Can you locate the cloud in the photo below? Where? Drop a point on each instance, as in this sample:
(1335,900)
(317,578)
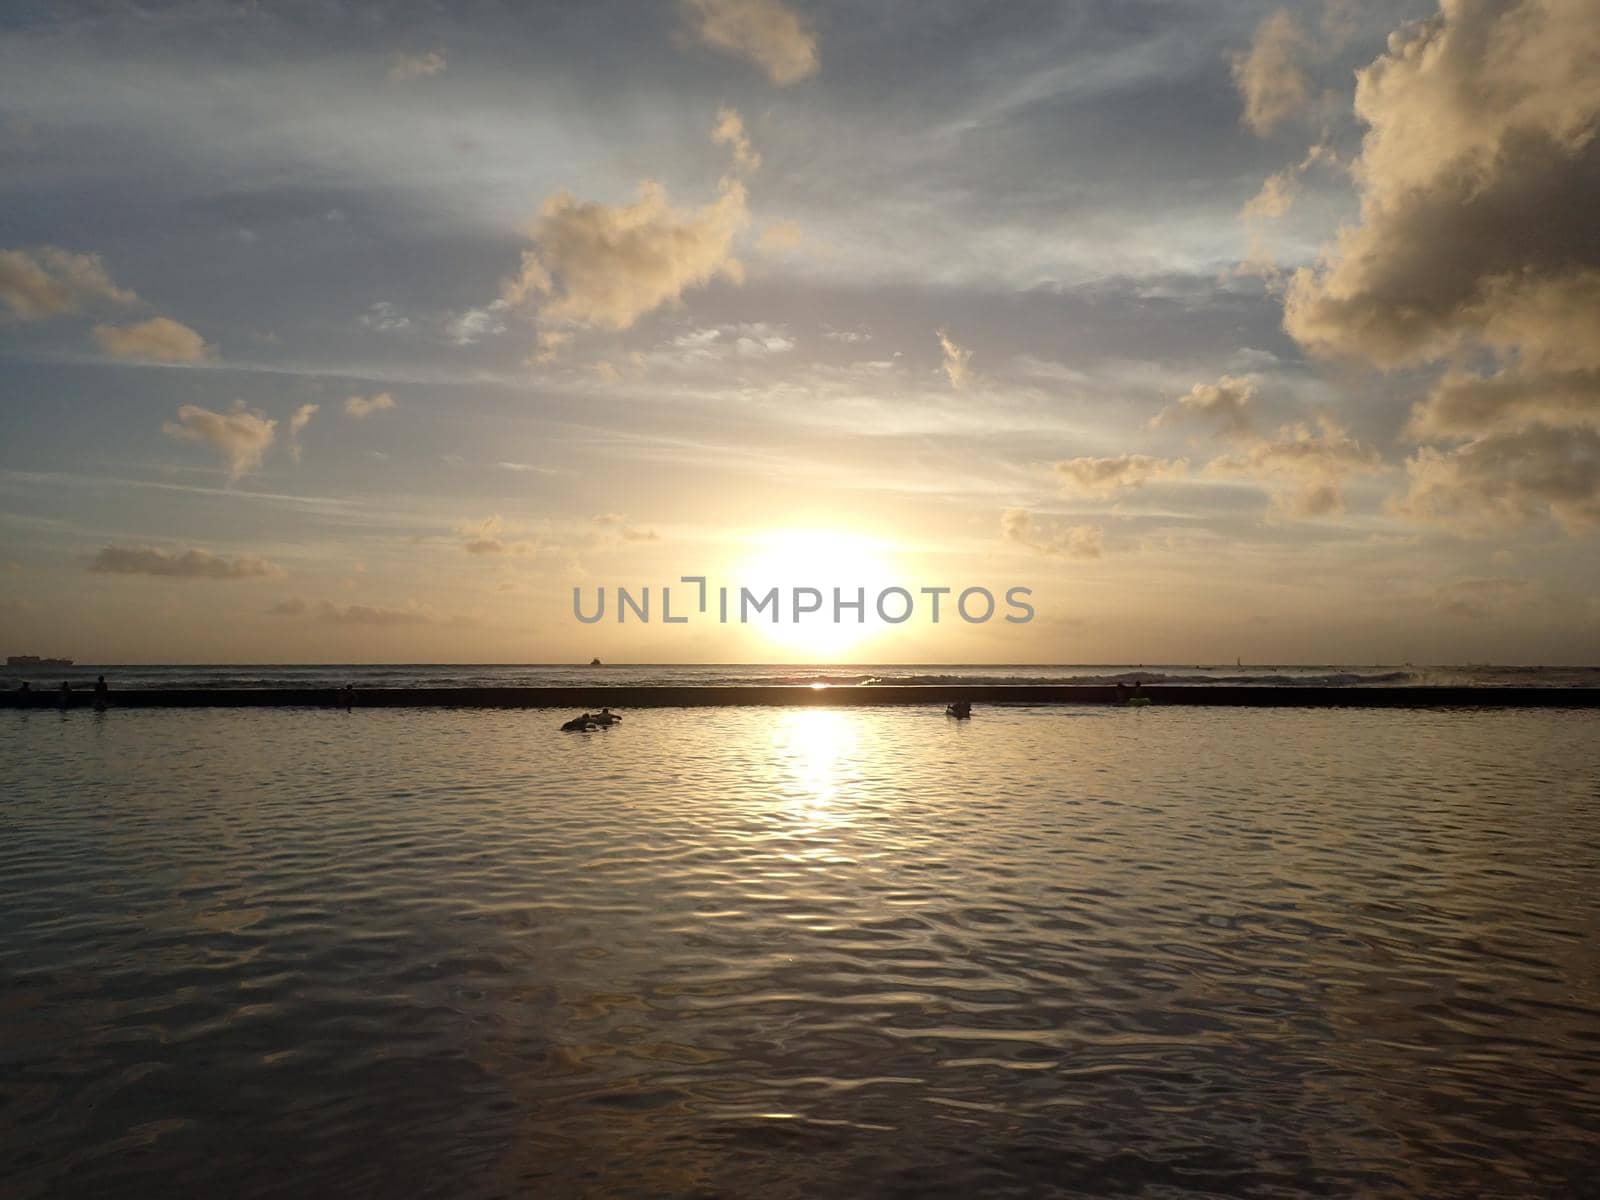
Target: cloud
(350,614)
(364,406)
(1484,598)
(624,531)
(51,282)
(1269,76)
(551,343)
(1065,541)
(1108,475)
(1477,176)
(780,236)
(955,361)
(243,435)
(605,266)
(297,423)
(1502,480)
(385,317)
(406,67)
(1228,402)
(1304,467)
(185,564)
(473,325)
(1275,199)
(487,537)
(160,339)
(763,32)
(729,131)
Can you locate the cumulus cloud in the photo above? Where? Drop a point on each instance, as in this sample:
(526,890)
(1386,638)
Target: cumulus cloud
(1303,467)
(1227,402)
(764,32)
(729,131)
(605,266)
(489,536)
(1502,480)
(184,564)
(955,361)
(1066,541)
(51,282)
(1270,76)
(1106,476)
(243,435)
(365,406)
(406,67)
(160,339)
(1478,175)
(351,614)
(297,423)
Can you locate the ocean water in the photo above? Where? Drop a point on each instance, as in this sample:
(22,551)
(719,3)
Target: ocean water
(839,675)
(754,952)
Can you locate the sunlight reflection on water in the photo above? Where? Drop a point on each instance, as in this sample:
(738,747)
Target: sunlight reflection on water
(1081,951)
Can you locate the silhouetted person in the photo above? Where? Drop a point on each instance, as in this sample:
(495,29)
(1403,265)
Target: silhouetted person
(101,693)
(960,709)
(347,696)
(25,695)
(578,724)
(66,695)
(1138,689)
(1122,692)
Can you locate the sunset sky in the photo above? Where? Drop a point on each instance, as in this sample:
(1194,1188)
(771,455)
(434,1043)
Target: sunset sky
(356,332)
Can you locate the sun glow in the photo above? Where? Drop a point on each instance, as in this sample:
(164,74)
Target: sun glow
(824,560)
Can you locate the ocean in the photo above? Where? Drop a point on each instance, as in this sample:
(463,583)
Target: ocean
(726,674)
(1051,951)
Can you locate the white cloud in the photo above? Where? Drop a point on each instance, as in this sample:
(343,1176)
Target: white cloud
(51,282)
(1477,176)
(1105,476)
(364,406)
(297,423)
(159,339)
(243,435)
(1228,402)
(1054,538)
(1270,76)
(605,266)
(763,32)
(729,131)
(955,361)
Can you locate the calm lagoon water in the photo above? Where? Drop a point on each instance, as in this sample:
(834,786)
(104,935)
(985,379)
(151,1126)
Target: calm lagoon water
(873,952)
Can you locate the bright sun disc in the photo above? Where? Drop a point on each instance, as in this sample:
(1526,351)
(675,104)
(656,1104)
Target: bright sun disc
(823,560)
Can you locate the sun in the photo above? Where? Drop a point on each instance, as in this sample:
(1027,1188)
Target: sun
(822,559)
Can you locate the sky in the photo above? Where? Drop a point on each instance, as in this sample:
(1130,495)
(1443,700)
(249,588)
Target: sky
(371,332)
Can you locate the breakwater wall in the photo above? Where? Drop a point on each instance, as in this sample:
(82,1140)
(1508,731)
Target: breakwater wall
(595,698)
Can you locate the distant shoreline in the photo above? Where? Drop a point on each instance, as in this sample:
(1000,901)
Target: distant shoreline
(699,696)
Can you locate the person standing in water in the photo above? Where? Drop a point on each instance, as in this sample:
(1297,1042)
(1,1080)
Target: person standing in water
(101,694)
(66,695)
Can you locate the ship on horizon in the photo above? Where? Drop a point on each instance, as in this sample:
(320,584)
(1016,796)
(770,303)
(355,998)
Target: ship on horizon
(33,660)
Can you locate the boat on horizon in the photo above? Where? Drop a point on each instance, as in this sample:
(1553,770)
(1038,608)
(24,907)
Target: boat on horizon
(33,660)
